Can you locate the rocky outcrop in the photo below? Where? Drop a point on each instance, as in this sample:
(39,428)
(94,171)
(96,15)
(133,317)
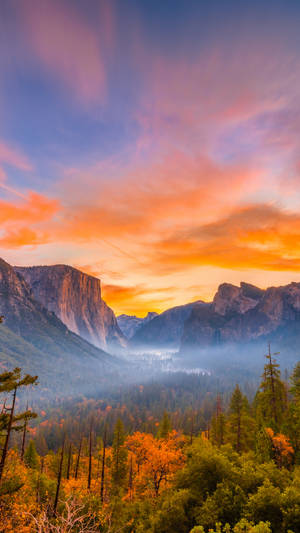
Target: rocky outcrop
(75,297)
(230,298)
(243,314)
(130,324)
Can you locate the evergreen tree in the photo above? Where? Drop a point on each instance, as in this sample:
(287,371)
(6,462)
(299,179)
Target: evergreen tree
(295,382)
(164,427)
(27,415)
(31,458)
(239,421)
(294,412)
(119,455)
(270,399)
(10,382)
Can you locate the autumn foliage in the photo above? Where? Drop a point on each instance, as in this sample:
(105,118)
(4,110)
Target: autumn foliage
(239,471)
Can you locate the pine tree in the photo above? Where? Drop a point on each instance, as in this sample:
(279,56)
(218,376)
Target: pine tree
(294,412)
(31,458)
(239,421)
(10,382)
(28,415)
(164,427)
(270,399)
(295,382)
(119,455)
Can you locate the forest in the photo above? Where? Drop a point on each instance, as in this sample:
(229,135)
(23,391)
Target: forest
(157,458)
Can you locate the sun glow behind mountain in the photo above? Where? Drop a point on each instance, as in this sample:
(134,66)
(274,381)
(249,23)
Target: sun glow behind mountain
(155,145)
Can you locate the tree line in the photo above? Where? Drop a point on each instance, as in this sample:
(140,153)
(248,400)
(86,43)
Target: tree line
(238,470)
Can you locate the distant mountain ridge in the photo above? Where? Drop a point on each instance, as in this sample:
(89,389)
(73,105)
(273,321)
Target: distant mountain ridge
(129,324)
(164,330)
(237,315)
(243,314)
(75,298)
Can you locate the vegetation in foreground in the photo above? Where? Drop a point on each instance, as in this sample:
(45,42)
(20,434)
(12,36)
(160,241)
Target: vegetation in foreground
(241,473)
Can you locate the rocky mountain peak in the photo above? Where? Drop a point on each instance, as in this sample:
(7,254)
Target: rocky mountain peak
(230,298)
(129,324)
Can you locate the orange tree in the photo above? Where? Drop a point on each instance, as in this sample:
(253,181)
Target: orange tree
(155,461)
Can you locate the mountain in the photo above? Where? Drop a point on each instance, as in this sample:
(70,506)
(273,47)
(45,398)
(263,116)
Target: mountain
(76,299)
(246,314)
(164,330)
(129,324)
(37,340)
(240,319)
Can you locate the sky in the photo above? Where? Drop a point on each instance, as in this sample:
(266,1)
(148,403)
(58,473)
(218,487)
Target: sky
(153,144)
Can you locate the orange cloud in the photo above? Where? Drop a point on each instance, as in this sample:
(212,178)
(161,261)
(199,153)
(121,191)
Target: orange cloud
(35,208)
(17,219)
(151,200)
(254,237)
(21,237)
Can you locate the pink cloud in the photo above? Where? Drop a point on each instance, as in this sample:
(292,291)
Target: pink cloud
(69,47)
(13,157)
(195,100)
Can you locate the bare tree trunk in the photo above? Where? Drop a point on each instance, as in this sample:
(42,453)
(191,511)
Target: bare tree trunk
(273,387)
(78,459)
(130,484)
(24,436)
(39,481)
(238,434)
(5,447)
(90,458)
(69,461)
(59,478)
(103,465)
(192,429)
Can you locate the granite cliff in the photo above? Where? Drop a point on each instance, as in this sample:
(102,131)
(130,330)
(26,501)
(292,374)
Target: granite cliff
(75,298)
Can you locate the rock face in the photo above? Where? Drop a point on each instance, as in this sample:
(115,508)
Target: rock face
(164,330)
(129,324)
(37,340)
(75,298)
(245,313)
(230,298)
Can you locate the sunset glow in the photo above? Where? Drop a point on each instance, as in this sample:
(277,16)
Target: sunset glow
(154,145)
